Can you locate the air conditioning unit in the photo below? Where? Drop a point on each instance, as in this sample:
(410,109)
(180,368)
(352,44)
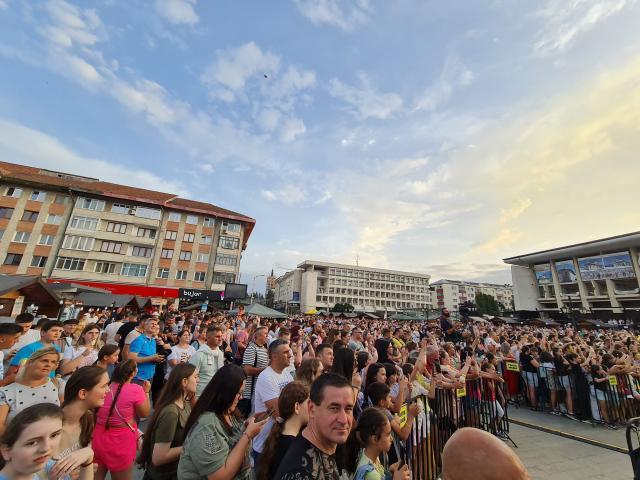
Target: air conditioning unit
(224,230)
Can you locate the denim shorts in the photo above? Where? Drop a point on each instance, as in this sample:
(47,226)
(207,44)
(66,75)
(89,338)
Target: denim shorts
(530,378)
(565,381)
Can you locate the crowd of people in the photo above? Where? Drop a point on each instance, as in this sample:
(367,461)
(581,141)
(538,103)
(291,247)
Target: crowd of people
(212,396)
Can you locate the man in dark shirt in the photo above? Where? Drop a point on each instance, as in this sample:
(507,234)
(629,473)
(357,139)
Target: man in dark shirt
(311,455)
(382,346)
(451,334)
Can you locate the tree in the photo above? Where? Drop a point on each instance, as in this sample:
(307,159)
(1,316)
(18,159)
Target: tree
(487,305)
(269,298)
(342,308)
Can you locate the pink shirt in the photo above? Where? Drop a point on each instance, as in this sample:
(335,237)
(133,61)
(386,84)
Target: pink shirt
(130,396)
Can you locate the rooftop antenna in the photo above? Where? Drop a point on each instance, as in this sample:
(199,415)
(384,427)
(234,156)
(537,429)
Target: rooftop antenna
(357,259)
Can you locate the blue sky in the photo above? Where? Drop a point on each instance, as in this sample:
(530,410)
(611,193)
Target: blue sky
(437,137)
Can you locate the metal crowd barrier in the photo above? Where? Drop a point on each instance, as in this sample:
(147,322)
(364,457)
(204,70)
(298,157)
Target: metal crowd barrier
(476,405)
(611,402)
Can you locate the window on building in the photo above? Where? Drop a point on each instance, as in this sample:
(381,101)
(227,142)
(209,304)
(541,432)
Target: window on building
(29,216)
(111,247)
(208,222)
(38,196)
(181,275)
(120,208)
(185,255)
(14,192)
(6,212)
(70,263)
(199,276)
(188,237)
(192,219)
(146,232)
(84,223)
(229,243)
(206,239)
(230,260)
(223,277)
(203,258)
(170,235)
(54,219)
(163,273)
(134,270)
(13,259)
(45,240)
(21,237)
(150,213)
(231,227)
(38,261)
(90,204)
(116,227)
(175,216)
(141,251)
(60,199)
(105,267)
(166,253)
(76,242)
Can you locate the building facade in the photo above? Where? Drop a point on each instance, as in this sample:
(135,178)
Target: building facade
(75,228)
(591,277)
(319,286)
(451,294)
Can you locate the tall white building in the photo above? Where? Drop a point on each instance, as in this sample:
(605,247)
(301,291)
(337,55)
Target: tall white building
(452,293)
(320,285)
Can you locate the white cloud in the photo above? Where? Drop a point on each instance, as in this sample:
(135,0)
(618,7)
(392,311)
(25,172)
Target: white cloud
(344,14)
(366,100)
(287,195)
(228,75)
(509,214)
(292,128)
(72,26)
(21,144)
(178,11)
(565,21)
(3,4)
(454,75)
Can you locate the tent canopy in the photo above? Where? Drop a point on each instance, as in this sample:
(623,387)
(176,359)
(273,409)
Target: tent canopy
(261,311)
(105,299)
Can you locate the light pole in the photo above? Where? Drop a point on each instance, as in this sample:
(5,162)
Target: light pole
(253,285)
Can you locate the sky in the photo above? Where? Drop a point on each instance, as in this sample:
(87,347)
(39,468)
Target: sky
(425,136)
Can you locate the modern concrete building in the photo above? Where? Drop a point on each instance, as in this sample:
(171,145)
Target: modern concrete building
(452,293)
(599,276)
(320,285)
(126,239)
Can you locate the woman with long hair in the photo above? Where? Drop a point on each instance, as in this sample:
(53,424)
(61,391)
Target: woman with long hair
(29,441)
(85,391)
(217,440)
(343,362)
(181,352)
(108,357)
(294,415)
(309,370)
(33,385)
(116,432)
(84,353)
(162,442)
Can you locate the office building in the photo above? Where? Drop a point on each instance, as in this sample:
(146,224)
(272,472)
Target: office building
(130,240)
(315,285)
(451,294)
(599,277)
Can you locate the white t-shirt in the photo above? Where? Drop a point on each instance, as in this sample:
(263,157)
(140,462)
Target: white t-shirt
(182,355)
(24,340)
(71,353)
(131,336)
(268,386)
(111,331)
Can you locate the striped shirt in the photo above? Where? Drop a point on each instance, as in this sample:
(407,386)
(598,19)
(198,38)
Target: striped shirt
(254,356)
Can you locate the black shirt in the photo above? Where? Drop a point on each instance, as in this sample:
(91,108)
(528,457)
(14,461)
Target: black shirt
(284,443)
(382,346)
(525,360)
(125,330)
(304,461)
(445,324)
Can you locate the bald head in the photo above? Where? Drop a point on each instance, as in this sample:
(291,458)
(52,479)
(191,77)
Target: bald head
(473,453)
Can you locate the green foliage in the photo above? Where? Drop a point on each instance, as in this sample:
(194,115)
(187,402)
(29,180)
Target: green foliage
(342,308)
(487,305)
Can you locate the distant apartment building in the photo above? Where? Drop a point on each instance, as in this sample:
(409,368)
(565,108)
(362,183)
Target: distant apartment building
(451,294)
(76,228)
(598,277)
(320,285)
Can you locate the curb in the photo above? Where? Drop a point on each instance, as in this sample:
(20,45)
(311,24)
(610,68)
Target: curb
(571,436)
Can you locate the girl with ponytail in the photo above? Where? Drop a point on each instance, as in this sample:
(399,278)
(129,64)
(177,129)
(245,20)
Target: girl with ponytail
(294,415)
(116,434)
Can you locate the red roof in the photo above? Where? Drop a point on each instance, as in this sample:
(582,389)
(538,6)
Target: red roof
(78,183)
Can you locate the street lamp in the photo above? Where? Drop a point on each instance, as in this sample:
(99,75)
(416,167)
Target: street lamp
(61,303)
(253,285)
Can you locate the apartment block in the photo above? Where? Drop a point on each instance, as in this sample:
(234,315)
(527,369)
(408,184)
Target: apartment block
(320,285)
(451,294)
(71,227)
